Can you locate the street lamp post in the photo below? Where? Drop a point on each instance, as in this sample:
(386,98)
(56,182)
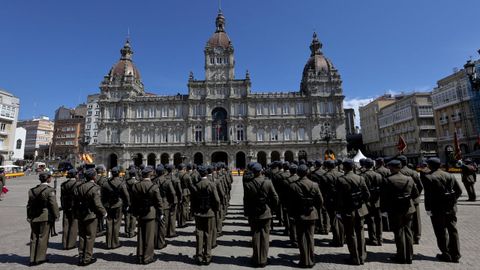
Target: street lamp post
(472,74)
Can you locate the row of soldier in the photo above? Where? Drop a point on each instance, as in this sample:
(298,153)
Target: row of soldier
(338,197)
(153,201)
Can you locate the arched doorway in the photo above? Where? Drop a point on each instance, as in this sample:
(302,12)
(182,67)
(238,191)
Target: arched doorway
(262,158)
(302,155)
(289,156)
(198,158)
(151,159)
(240,160)
(220,157)
(219,125)
(164,158)
(275,156)
(112,161)
(329,155)
(138,159)
(177,159)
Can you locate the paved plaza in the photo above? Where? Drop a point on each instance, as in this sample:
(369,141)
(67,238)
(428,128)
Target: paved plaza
(233,251)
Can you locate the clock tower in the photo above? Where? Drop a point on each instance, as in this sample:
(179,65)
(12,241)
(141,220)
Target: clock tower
(219,60)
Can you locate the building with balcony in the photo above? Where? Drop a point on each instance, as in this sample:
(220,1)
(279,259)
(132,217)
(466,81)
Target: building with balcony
(9,106)
(19,147)
(369,124)
(38,138)
(452,106)
(221,118)
(68,135)
(410,116)
(91,121)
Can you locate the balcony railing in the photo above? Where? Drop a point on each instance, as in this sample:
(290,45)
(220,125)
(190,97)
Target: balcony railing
(443,121)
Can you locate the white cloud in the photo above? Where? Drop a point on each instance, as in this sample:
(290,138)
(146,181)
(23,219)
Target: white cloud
(355,103)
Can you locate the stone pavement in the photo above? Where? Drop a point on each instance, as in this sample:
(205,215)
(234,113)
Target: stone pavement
(233,251)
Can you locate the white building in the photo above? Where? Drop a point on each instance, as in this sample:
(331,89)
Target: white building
(91,120)
(9,106)
(20,138)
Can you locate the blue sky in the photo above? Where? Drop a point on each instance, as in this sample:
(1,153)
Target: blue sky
(54,53)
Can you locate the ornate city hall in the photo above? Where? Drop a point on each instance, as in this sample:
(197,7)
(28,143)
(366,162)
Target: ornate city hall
(221,118)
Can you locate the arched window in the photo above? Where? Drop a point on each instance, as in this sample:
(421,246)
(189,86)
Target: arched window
(19,144)
(198,133)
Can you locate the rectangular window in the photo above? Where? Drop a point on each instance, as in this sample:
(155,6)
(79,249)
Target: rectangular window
(286,109)
(178,136)
(2,127)
(301,134)
(260,135)
(287,134)
(300,109)
(273,108)
(139,112)
(164,111)
(151,112)
(259,109)
(274,134)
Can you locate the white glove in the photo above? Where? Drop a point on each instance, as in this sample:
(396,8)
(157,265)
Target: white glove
(339,216)
(162,217)
(384,214)
(429,213)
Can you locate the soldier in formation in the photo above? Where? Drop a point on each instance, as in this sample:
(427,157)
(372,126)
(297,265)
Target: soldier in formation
(70,223)
(469,177)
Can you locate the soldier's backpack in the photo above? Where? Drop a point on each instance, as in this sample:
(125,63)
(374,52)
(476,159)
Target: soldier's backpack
(260,201)
(449,196)
(141,203)
(81,205)
(35,208)
(402,201)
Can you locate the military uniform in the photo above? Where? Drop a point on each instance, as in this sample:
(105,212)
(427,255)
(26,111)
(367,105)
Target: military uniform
(114,197)
(292,229)
(130,220)
(259,198)
(87,207)
(328,188)
(174,207)
(469,177)
(417,221)
(323,222)
(146,206)
(374,183)
(399,194)
(441,194)
(186,184)
(101,228)
(307,203)
(41,209)
(169,198)
(282,193)
(70,223)
(217,180)
(205,201)
(352,194)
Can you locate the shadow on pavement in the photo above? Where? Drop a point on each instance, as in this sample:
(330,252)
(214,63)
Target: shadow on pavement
(115,257)
(13,258)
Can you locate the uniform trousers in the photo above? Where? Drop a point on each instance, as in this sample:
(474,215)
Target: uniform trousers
(145,240)
(130,224)
(260,240)
(114,221)
(306,241)
(203,233)
(355,238)
(402,230)
(470,188)
(417,225)
(337,228)
(87,231)
(172,221)
(374,224)
(70,230)
(444,227)
(39,241)
(161,230)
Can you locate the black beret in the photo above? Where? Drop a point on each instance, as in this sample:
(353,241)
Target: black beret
(368,162)
(256,168)
(339,161)
(302,169)
(348,162)
(434,161)
(160,168)
(286,165)
(44,176)
(90,173)
(329,163)
(181,166)
(115,170)
(293,167)
(202,170)
(71,173)
(302,161)
(362,161)
(132,171)
(380,159)
(101,168)
(318,162)
(169,167)
(394,163)
(147,170)
(209,168)
(189,166)
(142,166)
(402,159)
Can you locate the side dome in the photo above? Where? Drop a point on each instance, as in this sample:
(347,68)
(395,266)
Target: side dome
(125,66)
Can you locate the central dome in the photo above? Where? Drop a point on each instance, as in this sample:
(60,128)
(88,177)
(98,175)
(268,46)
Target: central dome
(125,67)
(317,61)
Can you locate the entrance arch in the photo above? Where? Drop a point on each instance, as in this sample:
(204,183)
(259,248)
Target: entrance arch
(219,125)
(138,159)
(302,155)
(289,156)
(198,158)
(240,160)
(151,159)
(164,158)
(262,158)
(112,161)
(177,159)
(275,156)
(220,156)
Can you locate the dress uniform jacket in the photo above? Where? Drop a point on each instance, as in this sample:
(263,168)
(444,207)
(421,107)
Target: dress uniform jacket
(130,220)
(417,222)
(205,202)
(469,177)
(308,202)
(42,210)
(258,188)
(114,196)
(353,219)
(88,194)
(399,194)
(70,223)
(169,198)
(172,221)
(186,183)
(383,171)
(147,206)
(374,183)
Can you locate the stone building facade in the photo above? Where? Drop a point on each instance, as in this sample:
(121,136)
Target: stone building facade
(411,117)
(68,135)
(39,137)
(453,113)
(221,118)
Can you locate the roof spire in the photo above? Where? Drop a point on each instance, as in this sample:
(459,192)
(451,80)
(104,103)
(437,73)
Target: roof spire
(219,5)
(220,22)
(316,45)
(127,51)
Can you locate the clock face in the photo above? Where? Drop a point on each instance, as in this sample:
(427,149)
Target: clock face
(218,75)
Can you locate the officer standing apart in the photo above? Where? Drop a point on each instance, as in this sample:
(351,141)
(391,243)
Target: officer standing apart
(399,193)
(87,207)
(70,223)
(352,195)
(469,177)
(42,210)
(308,201)
(259,198)
(146,206)
(441,194)
(114,196)
(205,202)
